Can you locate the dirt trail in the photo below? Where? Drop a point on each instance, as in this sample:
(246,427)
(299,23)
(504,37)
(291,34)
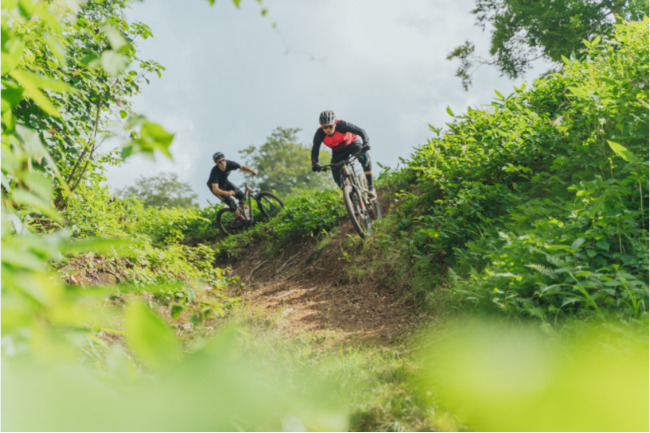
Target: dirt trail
(306,288)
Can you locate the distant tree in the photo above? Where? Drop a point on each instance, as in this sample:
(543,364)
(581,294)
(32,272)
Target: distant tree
(526,30)
(284,164)
(164,190)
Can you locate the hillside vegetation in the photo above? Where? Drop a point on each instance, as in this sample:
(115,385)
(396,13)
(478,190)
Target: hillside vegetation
(121,316)
(538,204)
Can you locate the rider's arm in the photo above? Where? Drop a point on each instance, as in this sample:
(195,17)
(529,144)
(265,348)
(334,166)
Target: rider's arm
(343,125)
(248,169)
(218,191)
(315,149)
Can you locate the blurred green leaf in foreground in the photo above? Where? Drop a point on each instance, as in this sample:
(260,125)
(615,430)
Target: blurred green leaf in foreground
(220,387)
(502,378)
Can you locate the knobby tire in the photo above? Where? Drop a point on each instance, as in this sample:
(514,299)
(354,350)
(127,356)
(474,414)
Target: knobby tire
(269,204)
(358,215)
(227,222)
(373,205)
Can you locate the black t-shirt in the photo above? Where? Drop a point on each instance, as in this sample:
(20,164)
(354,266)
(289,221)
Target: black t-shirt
(221,177)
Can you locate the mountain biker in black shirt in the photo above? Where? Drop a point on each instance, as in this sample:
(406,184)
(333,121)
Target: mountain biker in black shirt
(220,185)
(344,139)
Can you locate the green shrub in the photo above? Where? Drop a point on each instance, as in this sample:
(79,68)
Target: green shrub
(545,193)
(306,215)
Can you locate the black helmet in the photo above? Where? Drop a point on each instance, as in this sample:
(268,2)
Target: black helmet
(327,117)
(217,156)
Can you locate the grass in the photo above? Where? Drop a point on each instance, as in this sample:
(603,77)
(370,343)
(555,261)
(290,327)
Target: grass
(375,383)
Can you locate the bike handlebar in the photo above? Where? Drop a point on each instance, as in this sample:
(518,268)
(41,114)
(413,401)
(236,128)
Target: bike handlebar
(245,187)
(340,164)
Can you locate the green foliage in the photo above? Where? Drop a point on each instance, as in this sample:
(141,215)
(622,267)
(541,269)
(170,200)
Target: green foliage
(164,190)
(309,214)
(522,32)
(41,78)
(94,212)
(149,337)
(158,255)
(148,139)
(560,171)
(175,225)
(545,193)
(284,164)
(75,355)
(500,377)
(222,385)
(202,225)
(78,68)
(376,384)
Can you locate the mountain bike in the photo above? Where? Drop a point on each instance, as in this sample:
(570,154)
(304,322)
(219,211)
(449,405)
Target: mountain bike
(268,205)
(361,208)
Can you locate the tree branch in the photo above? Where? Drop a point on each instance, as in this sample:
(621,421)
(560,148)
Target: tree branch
(91,146)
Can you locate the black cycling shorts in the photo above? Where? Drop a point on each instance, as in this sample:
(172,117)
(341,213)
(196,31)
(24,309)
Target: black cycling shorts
(230,200)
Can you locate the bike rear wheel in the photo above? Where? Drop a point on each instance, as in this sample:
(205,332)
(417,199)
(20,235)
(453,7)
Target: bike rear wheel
(228,224)
(269,204)
(356,210)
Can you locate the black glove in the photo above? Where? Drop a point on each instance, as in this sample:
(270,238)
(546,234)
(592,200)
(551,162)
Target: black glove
(365,147)
(315,167)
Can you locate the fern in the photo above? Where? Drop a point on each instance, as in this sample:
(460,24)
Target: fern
(543,270)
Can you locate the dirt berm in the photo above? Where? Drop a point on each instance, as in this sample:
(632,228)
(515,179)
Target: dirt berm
(307,288)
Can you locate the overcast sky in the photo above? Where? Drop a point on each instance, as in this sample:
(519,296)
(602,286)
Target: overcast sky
(232,76)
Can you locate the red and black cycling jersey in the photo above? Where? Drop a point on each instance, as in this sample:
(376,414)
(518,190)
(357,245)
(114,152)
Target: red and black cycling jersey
(345,134)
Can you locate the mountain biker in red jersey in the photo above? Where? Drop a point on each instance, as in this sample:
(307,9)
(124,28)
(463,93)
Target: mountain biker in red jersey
(220,185)
(344,139)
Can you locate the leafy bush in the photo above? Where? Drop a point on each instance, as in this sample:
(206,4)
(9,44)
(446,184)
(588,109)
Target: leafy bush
(94,212)
(544,193)
(173,225)
(196,226)
(306,215)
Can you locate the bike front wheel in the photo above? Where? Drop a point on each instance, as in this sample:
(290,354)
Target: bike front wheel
(270,204)
(373,205)
(357,211)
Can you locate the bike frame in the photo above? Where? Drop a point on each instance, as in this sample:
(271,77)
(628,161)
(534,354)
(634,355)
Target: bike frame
(248,194)
(266,205)
(350,185)
(350,177)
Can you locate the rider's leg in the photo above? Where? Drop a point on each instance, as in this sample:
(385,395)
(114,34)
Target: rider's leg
(338,176)
(233,207)
(239,195)
(341,156)
(337,172)
(241,198)
(364,159)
